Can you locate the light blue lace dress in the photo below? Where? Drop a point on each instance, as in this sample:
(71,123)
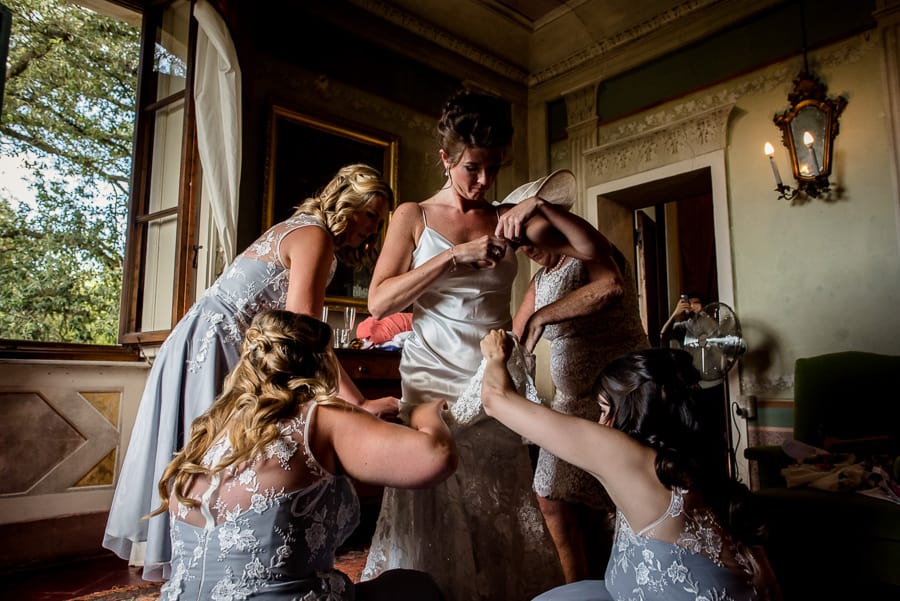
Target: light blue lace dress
(185,379)
(265,530)
(703,564)
(480,533)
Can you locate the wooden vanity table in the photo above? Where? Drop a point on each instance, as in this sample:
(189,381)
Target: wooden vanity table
(376,373)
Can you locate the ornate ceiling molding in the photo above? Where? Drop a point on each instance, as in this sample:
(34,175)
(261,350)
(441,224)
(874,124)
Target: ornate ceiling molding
(440,37)
(626,37)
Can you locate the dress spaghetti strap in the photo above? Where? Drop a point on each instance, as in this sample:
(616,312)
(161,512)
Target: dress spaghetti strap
(676,504)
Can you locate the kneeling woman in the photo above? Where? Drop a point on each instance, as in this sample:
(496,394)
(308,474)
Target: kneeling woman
(682,528)
(261,496)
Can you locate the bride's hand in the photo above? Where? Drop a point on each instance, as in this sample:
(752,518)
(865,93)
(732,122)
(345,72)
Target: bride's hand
(482,253)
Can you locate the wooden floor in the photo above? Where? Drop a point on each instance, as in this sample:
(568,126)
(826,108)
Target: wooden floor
(74,579)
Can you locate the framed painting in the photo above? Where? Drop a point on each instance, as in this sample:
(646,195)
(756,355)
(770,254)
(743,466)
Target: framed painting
(303,153)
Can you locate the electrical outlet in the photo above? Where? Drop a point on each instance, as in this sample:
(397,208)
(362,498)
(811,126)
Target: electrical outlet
(747,408)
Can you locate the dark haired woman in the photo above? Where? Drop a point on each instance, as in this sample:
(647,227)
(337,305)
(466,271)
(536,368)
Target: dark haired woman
(683,531)
(480,533)
(288,267)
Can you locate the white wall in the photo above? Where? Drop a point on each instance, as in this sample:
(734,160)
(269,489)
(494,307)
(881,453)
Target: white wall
(819,276)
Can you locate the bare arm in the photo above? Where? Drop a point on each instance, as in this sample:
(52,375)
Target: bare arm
(523,313)
(545,225)
(386,454)
(572,439)
(308,253)
(681,312)
(624,466)
(603,287)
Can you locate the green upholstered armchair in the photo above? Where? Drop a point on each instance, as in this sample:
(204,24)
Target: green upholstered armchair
(825,544)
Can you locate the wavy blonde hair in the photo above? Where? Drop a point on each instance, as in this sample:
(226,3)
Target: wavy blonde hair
(286,361)
(349,190)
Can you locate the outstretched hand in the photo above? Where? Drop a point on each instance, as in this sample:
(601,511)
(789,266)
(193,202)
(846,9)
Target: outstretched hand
(496,345)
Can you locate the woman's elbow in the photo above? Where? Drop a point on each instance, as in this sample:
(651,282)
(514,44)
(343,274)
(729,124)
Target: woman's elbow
(378,307)
(443,463)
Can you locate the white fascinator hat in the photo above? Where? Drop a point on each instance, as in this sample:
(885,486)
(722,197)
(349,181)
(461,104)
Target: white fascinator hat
(557,188)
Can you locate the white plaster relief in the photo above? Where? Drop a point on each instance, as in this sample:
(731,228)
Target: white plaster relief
(581,106)
(659,146)
(776,387)
(698,124)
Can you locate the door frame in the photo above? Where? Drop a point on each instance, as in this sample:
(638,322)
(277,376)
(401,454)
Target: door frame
(715,161)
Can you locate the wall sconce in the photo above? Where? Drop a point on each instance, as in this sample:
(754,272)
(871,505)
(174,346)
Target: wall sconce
(808,130)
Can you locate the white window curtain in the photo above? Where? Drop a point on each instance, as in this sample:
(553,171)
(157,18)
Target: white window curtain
(217,98)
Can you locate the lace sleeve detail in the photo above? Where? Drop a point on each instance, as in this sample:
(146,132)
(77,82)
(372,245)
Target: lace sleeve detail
(268,246)
(467,409)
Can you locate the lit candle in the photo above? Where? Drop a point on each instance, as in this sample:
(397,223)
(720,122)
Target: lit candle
(809,141)
(769,153)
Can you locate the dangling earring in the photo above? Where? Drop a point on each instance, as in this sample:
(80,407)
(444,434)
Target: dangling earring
(446,172)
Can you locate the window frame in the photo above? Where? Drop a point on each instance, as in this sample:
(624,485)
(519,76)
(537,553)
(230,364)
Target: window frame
(186,212)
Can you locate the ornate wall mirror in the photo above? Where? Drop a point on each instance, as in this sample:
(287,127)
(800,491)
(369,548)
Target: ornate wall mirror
(808,130)
(302,154)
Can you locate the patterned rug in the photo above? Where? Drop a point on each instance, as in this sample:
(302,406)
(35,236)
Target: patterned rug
(139,592)
(350,562)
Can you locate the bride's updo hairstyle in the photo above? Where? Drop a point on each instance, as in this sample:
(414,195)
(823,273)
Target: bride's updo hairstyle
(473,120)
(286,361)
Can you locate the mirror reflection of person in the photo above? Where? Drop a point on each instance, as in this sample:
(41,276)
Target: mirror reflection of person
(589,312)
(675,327)
(684,529)
(263,492)
(480,533)
(288,267)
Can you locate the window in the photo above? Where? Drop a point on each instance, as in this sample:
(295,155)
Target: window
(98,248)
(161,258)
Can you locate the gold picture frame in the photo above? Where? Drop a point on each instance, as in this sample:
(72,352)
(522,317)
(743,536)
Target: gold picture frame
(303,153)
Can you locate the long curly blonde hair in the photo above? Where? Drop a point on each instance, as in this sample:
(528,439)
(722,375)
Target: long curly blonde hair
(349,190)
(286,361)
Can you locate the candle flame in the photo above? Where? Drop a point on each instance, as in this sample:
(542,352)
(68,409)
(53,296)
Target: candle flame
(808,138)
(769,150)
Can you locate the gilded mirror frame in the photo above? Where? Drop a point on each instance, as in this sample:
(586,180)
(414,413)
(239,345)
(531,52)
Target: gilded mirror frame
(303,152)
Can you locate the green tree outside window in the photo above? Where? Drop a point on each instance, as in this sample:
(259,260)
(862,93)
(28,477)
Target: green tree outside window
(67,127)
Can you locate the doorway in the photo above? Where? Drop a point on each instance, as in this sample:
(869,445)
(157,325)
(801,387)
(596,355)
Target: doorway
(686,191)
(671,240)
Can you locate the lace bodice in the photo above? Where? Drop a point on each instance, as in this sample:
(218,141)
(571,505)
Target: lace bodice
(268,246)
(269,527)
(255,281)
(703,563)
